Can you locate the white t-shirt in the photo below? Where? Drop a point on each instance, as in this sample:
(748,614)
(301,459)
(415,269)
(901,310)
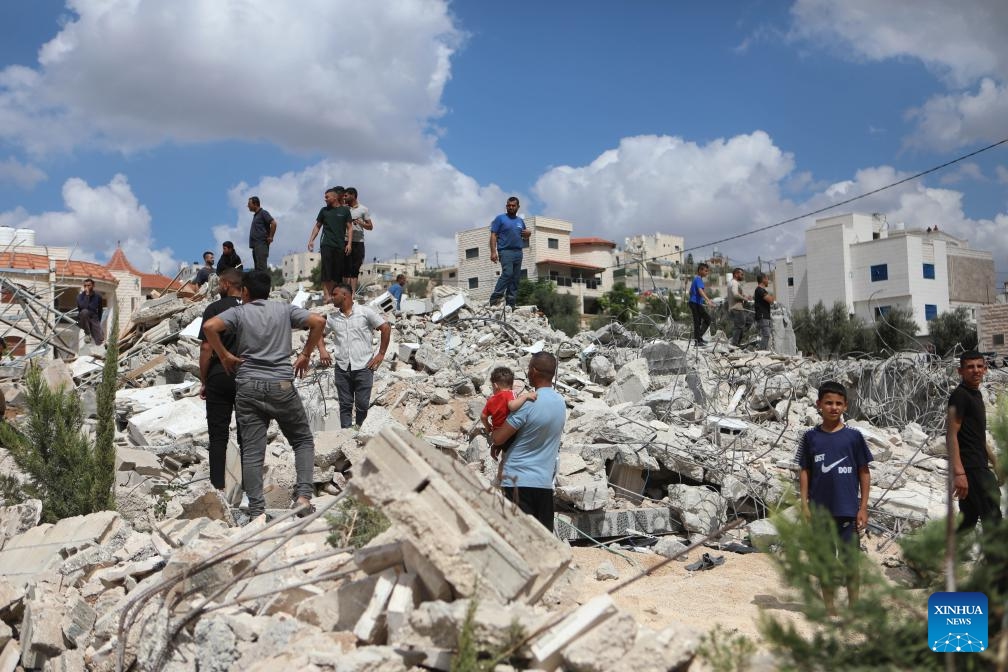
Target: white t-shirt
(359,215)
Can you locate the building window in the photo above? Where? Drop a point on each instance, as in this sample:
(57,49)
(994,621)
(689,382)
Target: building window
(882,311)
(790,282)
(472,253)
(473,283)
(879,272)
(553,243)
(929,272)
(997,339)
(451,274)
(930,311)
(523,274)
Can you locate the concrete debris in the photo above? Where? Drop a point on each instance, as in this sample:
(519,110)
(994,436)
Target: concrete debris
(662,440)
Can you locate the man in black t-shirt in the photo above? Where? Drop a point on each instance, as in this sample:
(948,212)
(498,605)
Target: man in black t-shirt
(973,483)
(229,258)
(218,386)
(762,300)
(260,233)
(335,223)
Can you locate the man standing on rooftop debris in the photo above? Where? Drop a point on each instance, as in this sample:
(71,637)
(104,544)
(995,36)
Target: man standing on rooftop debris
(89,312)
(229,258)
(260,234)
(530,464)
(334,220)
(356,361)
(762,300)
(217,386)
(360,219)
(973,483)
(698,301)
(264,383)
(736,306)
(507,238)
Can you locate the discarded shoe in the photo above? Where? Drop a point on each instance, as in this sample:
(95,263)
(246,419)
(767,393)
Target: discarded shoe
(706,562)
(302,509)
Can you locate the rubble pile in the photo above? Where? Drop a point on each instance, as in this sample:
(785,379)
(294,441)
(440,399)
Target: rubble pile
(664,445)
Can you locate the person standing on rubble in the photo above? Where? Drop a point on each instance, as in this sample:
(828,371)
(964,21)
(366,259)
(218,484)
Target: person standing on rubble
(736,306)
(217,386)
(264,383)
(335,222)
(762,300)
(973,483)
(89,312)
(508,234)
(356,361)
(698,302)
(229,258)
(396,290)
(360,219)
(260,234)
(530,464)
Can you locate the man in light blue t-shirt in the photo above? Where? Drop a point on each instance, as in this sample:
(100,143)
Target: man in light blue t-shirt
(530,463)
(507,238)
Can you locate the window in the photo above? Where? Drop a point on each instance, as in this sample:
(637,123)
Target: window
(472,253)
(997,339)
(929,272)
(451,274)
(790,282)
(930,311)
(879,272)
(473,283)
(882,311)
(553,243)
(523,274)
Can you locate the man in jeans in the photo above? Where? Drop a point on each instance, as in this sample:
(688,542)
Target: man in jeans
(217,385)
(762,300)
(264,384)
(355,359)
(736,306)
(507,237)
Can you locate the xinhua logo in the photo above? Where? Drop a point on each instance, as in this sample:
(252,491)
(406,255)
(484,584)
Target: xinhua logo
(957,622)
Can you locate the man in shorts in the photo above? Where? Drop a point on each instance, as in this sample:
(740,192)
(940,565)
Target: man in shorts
(361,220)
(334,221)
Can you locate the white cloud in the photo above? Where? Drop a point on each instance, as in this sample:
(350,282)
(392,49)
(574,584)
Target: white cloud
(966,171)
(24,175)
(962,43)
(420,204)
(93,221)
(330,76)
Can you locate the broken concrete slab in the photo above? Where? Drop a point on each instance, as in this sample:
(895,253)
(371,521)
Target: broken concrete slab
(19,518)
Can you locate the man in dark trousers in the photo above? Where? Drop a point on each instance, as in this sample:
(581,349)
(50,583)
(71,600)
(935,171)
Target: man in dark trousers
(335,221)
(217,385)
(508,234)
(260,234)
(89,312)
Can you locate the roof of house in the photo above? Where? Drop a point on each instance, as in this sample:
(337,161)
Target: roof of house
(119,262)
(78,270)
(571,264)
(592,240)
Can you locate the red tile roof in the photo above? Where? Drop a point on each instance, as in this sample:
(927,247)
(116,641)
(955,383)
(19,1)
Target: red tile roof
(592,240)
(78,270)
(119,262)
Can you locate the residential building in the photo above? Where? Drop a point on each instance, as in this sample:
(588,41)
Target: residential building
(874,267)
(299,265)
(578,266)
(992,329)
(135,286)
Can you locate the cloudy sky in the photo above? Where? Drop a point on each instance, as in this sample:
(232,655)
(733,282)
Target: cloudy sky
(148,124)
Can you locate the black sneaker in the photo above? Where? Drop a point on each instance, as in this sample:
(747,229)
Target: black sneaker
(302,509)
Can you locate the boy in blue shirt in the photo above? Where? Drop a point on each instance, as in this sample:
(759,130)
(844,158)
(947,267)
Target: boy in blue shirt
(396,290)
(698,301)
(835,476)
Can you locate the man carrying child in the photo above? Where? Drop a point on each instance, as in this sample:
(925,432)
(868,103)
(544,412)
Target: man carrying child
(500,404)
(835,478)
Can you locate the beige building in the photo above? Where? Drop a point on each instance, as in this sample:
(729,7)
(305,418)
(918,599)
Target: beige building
(578,266)
(992,329)
(299,266)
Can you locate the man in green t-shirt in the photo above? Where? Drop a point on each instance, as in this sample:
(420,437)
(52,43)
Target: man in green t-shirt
(334,220)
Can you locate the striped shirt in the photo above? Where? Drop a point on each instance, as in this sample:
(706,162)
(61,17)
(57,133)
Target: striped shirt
(352,336)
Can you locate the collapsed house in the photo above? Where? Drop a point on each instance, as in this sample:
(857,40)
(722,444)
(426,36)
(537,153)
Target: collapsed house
(662,442)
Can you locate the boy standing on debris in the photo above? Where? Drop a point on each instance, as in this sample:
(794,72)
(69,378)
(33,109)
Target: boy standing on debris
(217,387)
(835,476)
(530,464)
(698,301)
(264,384)
(502,403)
(763,300)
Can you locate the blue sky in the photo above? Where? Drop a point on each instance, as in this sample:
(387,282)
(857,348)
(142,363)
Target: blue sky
(149,123)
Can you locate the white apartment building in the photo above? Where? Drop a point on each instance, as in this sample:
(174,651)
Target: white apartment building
(299,265)
(578,266)
(874,267)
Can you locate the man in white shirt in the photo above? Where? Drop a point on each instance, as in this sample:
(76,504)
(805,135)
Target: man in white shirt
(355,360)
(736,306)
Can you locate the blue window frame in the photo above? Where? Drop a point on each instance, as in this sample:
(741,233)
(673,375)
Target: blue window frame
(929,272)
(930,311)
(879,272)
(882,311)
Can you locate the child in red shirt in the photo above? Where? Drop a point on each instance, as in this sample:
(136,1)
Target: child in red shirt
(500,404)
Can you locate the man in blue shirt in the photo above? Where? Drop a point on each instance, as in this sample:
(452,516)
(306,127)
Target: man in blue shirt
(397,288)
(530,462)
(698,302)
(507,238)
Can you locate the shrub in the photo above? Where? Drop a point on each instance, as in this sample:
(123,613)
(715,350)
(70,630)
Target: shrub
(952,332)
(354,524)
(561,310)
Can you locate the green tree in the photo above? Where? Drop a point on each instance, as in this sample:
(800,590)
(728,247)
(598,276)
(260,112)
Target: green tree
(71,474)
(315,277)
(830,332)
(620,303)
(561,310)
(895,331)
(276,276)
(417,287)
(951,331)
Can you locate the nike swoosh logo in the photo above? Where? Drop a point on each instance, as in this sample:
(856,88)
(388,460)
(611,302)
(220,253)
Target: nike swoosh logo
(829,467)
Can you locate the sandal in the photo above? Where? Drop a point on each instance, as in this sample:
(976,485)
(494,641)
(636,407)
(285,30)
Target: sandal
(302,509)
(706,562)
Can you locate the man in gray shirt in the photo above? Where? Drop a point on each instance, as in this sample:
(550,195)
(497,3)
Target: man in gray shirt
(264,382)
(356,360)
